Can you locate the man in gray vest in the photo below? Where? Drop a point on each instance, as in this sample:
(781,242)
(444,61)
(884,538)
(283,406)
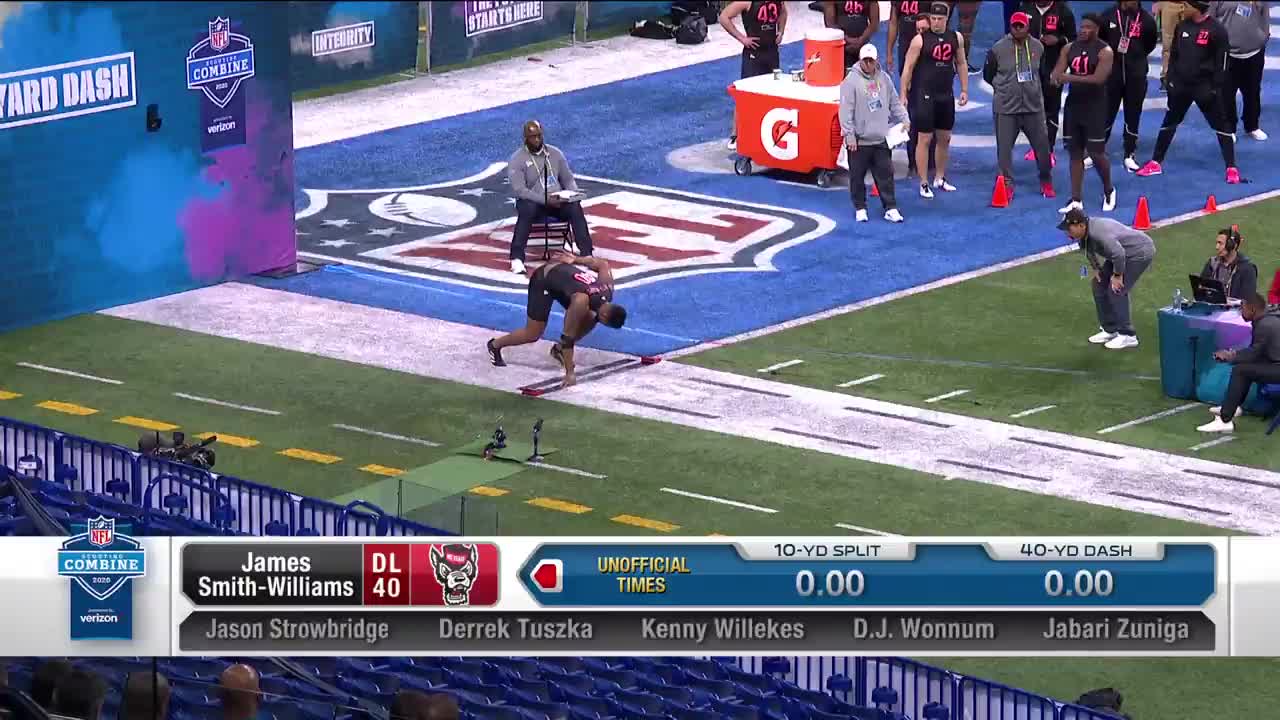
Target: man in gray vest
(1013,70)
(1118,255)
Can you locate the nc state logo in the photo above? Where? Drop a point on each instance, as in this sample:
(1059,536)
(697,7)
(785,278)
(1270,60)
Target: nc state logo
(456,568)
(460,231)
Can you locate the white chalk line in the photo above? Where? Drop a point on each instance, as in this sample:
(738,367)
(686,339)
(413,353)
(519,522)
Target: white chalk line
(568,470)
(222,403)
(70,373)
(387,435)
(779,366)
(867,530)
(722,501)
(947,396)
(1212,443)
(1149,418)
(861,381)
(1032,411)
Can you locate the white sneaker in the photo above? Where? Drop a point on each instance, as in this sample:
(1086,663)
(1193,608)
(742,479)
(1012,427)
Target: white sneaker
(1217,410)
(1258,134)
(1101,338)
(1122,342)
(894,216)
(1088,163)
(860,216)
(943,185)
(1131,164)
(925,192)
(1109,201)
(1073,205)
(733,142)
(517,266)
(1217,426)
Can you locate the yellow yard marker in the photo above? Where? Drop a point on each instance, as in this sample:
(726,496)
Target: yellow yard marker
(232,440)
(145,424)
(645,523)
(310,456)
(561,505)
(489,491)
(382,470)
(67,408)
(6,395)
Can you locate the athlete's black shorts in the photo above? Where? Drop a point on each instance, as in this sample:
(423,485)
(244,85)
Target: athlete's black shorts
(760,61)
(1084,126)
(933,112)
(540,300)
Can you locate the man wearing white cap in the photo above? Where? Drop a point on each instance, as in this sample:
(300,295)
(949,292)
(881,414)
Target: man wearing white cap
(868,104)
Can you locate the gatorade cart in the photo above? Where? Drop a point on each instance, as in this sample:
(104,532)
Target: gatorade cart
(791,121)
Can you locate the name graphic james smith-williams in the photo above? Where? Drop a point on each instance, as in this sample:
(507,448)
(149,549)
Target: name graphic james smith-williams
(102,561)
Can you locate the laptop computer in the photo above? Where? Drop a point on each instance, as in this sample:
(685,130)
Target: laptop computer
(1207,290)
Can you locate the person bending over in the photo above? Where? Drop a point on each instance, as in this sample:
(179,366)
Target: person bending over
(1258,363)
(584,288)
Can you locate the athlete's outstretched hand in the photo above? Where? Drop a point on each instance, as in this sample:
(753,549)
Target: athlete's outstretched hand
(564,258)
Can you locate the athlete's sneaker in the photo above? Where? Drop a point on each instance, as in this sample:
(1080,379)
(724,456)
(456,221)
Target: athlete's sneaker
(1102,337)
(925,191)
(1046,189)
(517,266)
(1217,410)
(1131,163)
(1233,176)
(495,354)
(893,216)
(942,184)
(1122,342)
(860,216)
(1257,134)
(1088,163)
(1073,205)
(1109,200)
(1151,169)
(733,142)
(1216,425)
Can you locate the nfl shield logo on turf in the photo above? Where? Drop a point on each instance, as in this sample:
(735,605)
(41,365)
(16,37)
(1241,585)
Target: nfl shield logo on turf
(460,231)
(102,531)
(219,34)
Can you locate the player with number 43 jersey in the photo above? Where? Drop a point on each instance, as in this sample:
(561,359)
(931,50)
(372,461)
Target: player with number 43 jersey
(933,62)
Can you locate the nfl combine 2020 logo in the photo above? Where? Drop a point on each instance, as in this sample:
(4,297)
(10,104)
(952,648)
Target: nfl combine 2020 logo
(219,63)
(102,561)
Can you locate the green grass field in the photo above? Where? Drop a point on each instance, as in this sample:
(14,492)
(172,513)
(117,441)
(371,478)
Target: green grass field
(997,336)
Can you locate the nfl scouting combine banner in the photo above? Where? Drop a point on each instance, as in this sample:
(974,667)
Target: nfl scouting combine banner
(339,42)
(461,31)
(147,149)
(612,14)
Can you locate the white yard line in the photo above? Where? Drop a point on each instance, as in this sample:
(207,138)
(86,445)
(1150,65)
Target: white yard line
(722,501)
(221,403)
(947,396)
(868,531)
(861,381)
(1212,443)
(567,470)
(387,435)
(1148,418)
(779,366)
(70,373)
(1032,411)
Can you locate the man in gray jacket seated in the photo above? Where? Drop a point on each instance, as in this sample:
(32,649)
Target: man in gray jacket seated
(1118,255)
(537,172)
(868,101)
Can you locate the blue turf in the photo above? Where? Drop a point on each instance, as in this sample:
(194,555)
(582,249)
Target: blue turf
(624,131)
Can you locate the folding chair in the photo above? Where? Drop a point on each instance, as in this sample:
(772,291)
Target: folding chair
(549,231)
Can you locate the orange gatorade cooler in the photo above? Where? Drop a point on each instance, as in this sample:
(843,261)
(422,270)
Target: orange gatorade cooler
(824,57)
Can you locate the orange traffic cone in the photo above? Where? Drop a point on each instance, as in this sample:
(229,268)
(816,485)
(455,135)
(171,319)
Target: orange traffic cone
(875,189)
(1000,195)
(1211,205)
(1142,219)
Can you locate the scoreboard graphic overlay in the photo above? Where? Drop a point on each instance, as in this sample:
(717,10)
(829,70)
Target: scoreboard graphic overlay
(669,596)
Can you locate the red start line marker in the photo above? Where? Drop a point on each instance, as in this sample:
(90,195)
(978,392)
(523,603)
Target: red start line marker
(548,576)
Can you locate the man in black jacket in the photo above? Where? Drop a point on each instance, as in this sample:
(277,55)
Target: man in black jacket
(1197,74)
(1258,363)
(1054,25)
(1131,32)
(1232,268)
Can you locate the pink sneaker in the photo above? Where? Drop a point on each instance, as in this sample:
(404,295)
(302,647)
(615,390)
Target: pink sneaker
(1030,156)
(1053,160)
(1151,168)
(1046,189)
(1233,176)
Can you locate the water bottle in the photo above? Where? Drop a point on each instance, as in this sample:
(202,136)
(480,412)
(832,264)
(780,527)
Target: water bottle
(1177,300)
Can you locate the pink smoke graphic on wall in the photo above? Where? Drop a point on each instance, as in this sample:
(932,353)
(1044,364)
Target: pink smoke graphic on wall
(249,226)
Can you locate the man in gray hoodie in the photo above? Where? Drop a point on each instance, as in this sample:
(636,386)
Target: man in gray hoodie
(1248,27)
(1258,363)
(1013,71)
(537,172)
(868,101)
(1119,255)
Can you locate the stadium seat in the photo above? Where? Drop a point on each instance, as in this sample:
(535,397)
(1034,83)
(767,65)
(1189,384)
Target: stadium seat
(731,711)
(552,711)
(696,715)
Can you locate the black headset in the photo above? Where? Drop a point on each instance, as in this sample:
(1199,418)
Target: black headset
(1233,238)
